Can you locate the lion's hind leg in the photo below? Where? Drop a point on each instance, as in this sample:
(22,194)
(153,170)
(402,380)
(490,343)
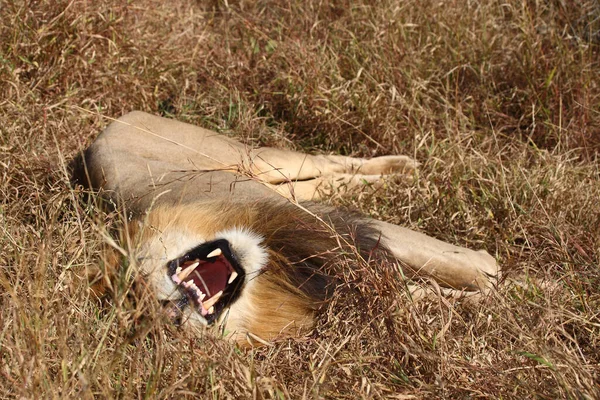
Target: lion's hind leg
(325,186)
(306,177)
(382,165)
(276,166)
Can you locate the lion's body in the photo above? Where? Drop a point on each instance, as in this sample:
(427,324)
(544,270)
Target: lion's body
(191,186)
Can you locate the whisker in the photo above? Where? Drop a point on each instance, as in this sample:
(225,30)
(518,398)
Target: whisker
(151,258)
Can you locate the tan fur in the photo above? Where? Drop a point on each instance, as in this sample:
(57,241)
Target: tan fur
(283,313)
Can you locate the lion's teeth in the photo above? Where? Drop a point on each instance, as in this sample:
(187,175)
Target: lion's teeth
(232,277)
(201,295)
(188,270)
(211,310)
(212,301)
(215,253)
(175,276)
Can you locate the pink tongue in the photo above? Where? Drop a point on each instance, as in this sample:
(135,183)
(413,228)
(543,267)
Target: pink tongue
(214,277)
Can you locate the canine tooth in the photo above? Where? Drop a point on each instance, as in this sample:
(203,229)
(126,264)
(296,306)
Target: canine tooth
(212,301)
(188,270)
(175,276)
(232,277)
(215,253)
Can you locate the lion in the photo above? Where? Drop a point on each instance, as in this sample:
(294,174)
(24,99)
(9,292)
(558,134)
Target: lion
(233,238)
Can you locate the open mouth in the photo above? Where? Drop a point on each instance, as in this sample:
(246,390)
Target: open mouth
(209,276)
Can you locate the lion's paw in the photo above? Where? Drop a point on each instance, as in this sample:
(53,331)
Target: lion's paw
(387,165)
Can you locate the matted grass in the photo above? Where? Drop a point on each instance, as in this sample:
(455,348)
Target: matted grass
(499,102)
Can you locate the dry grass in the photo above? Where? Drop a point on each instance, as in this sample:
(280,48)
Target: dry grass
(500,102)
